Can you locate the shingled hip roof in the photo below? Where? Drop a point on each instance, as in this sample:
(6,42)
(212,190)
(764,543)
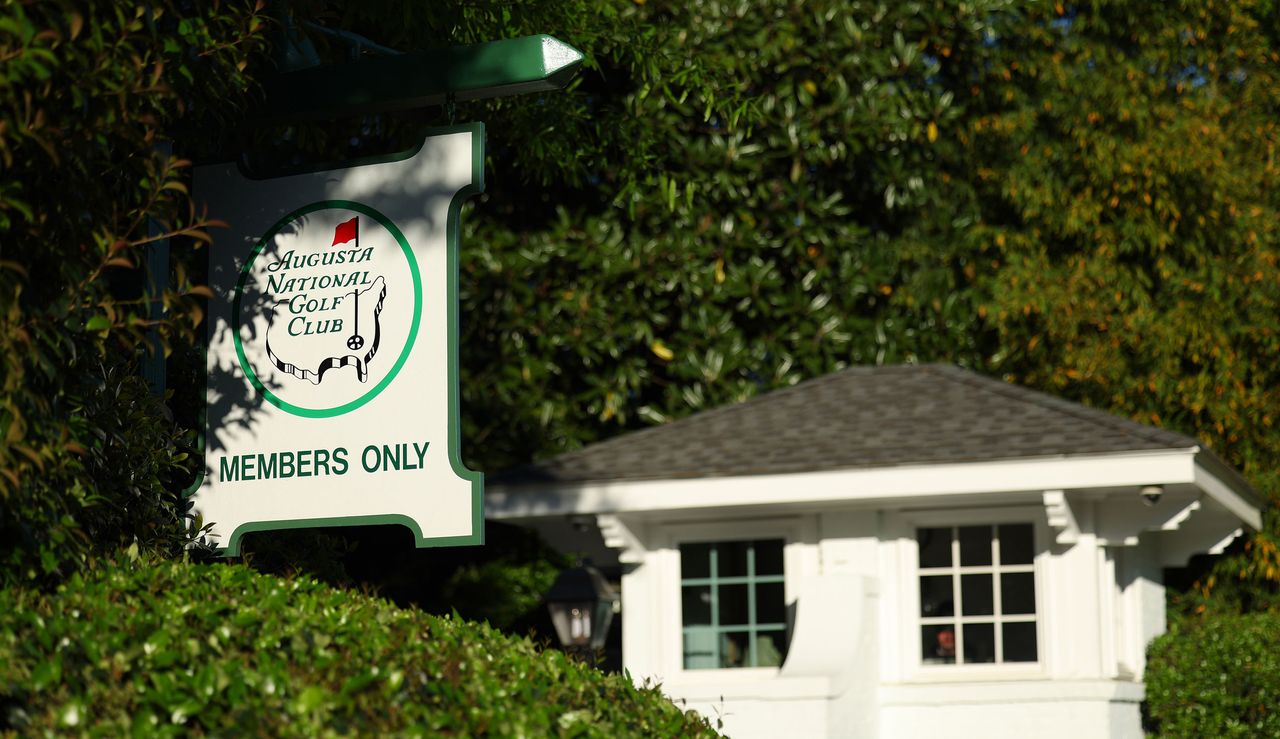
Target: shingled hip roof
(858,418)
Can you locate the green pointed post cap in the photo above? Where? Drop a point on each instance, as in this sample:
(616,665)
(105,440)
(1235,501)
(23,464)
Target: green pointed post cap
(423,78)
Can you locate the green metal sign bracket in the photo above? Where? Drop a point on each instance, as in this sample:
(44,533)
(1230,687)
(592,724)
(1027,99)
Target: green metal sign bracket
(421,79)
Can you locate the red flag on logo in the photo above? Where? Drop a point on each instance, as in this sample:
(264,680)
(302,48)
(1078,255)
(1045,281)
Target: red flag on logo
(346,231)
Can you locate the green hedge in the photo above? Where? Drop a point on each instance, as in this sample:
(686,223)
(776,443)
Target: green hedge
(169,649)
(1220,678)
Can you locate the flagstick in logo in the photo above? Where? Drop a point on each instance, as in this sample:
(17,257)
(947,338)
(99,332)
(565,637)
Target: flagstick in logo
(345,232)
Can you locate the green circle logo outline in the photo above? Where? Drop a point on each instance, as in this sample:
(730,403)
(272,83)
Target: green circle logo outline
(386,223)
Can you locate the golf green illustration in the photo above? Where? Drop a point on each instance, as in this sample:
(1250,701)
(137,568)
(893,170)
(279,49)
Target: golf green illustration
(309,336)
(326,307)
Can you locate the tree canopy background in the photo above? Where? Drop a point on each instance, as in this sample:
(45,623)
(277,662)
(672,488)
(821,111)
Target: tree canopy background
(733,197)
(1076,197)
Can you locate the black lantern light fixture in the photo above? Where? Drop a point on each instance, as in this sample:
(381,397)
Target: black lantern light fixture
(582,606)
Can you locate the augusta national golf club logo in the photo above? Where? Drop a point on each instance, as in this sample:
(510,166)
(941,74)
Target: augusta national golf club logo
(327,308)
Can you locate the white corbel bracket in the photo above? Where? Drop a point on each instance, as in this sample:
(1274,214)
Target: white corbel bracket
(1210,537)
(617,535)
(1122,519)
(1061,517)
(1225,542)
(1176,520)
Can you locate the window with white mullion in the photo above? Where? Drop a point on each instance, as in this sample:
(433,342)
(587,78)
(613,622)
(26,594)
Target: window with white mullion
(957,587)
(977,594)
(995,601)
(751,609)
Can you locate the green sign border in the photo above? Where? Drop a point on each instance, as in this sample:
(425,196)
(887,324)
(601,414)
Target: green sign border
(282,404)
(452,227)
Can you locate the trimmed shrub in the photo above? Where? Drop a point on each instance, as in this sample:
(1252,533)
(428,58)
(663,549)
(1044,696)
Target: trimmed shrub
(169,649)
(1219,678)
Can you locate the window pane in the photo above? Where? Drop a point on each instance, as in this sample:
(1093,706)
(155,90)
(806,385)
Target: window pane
(935,547)
(732,558)
(700,649)
(936,598)
(697,605)
(771,607)
(709,608)
(1017,546)
(979,643)
(938,644)
(733,604)
(1020,642)
(771,648)
(976,595)
(975,545)
(695,560)
(734,647)
(1018,592)
(769,557)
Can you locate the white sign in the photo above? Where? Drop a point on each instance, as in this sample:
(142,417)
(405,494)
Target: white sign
(332,367)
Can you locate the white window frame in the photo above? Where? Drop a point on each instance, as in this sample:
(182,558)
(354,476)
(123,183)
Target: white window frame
(912,663)
(798,551)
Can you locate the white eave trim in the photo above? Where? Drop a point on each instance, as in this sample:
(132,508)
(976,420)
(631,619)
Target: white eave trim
(1230,491)
(1163,467)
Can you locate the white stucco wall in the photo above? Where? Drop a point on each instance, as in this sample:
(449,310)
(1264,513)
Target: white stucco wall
(1096,610)
(1046,710)
(766,715)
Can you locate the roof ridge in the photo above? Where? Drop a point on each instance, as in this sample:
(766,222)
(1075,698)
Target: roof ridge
(1061,405)
(887,406)
(732,407)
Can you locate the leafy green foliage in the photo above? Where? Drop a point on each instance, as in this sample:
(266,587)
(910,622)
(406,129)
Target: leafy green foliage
(87,95)
(501,591)
(1217,679)
(174,649)
(1128,218)
(1131,216)
(755,253)
(1075,197)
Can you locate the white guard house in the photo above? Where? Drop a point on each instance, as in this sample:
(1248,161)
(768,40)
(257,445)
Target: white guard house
(904,551)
